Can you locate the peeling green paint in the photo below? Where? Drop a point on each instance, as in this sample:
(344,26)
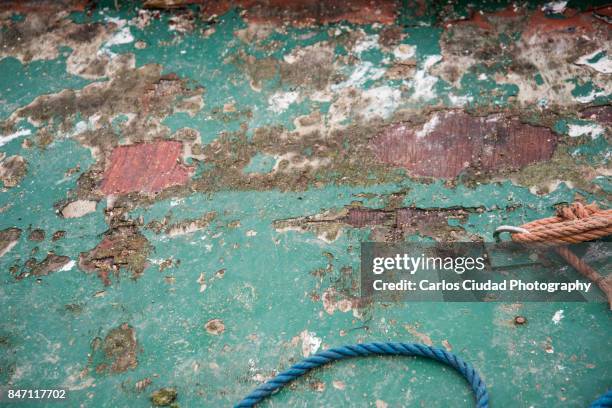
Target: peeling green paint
(226,260)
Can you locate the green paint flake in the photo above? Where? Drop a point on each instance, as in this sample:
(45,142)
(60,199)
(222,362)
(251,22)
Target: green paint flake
(20,83)
(538,79)
(260,163)
(587,92)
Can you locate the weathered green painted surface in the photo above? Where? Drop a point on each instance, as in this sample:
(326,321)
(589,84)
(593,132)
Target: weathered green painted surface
(284,122)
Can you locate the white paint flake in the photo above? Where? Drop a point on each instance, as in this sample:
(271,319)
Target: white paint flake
(310,343)
(423,83)
(365,43)
(459,100)
(290,58)
(557,7)
(431,61)
(428,127)
(590,97)
(8,247)
(603,64)
(280,101)
(581,130)
(404,52)
(68,266)
(80,127)
(77,379)
(558,316)
(202,281)
(381,101)
(4,139)
(78,208)
(361,74)
(123,36)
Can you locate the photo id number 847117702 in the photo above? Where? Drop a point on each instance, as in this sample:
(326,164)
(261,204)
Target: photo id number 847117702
(32,394)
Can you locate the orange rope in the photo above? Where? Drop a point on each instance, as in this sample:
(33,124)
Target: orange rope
(573,224)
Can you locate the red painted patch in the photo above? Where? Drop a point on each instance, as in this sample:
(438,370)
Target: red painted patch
(309,12)
(145,167)
(604,11)
(46,6)
(363,217)
(573,23)
(601,114)
(458,141)
(487,21)
(538,23)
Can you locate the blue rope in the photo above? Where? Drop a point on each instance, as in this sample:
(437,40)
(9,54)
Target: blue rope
(368,349)
(605,401)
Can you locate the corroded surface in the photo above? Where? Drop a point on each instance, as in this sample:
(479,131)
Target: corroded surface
(186,184)
(449,143)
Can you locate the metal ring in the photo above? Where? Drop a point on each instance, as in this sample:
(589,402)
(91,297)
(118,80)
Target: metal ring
(508,228)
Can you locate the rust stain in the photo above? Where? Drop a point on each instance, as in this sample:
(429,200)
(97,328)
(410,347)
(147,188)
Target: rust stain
(12,170)
(123,246)
(309,12)
(407,220)
(8,239)
(422,337)
(601,114)
(453,141)
(120,348)
(215,327)
(145,167)
(416,219)
(52,263)
(387,225)
(405,217)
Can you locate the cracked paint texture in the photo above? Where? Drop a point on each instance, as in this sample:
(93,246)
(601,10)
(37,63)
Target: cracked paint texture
(184,191)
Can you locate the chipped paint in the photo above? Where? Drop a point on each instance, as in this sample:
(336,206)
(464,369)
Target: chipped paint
(215,327)
(78,208)
(451,143)
(147,167)
(310,343)
(598,60)
(424,83)
(12,170)
(8,239)
(554,7)
(558,316)
(581,130)
(178,179)
(4,139)
(280,102)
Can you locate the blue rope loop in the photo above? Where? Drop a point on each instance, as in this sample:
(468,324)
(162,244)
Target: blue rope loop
(369,349)
(605,401)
